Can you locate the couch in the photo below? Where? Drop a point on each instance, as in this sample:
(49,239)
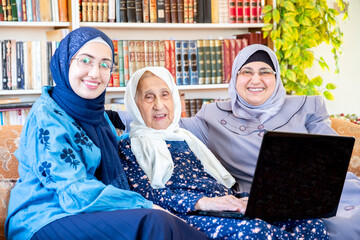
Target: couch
(10,136)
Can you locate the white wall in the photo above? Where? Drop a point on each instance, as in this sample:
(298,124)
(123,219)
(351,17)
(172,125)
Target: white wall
(347,94)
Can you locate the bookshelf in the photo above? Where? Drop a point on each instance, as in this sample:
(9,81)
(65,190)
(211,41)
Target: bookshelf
(33,31)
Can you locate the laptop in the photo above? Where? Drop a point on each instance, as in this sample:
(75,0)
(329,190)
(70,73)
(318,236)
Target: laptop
(297,176)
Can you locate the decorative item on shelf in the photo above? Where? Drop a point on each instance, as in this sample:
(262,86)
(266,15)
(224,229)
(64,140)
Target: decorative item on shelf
(296,27)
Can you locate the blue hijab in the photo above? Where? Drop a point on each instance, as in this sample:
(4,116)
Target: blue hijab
(88,113)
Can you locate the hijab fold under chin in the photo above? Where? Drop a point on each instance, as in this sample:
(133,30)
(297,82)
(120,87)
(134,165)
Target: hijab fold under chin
(272,105)
(149,146)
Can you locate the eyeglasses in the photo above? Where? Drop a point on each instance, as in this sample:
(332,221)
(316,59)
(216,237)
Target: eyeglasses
(85,62)
(263,73)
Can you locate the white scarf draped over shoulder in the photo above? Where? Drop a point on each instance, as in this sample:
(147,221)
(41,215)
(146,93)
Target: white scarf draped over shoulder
(149,146)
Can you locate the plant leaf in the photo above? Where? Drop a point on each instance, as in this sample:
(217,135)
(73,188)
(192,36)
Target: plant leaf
(330,86)
(328,95)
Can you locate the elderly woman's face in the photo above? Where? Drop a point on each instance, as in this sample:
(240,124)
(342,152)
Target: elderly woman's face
(255,89)
(155,102)
(89,72)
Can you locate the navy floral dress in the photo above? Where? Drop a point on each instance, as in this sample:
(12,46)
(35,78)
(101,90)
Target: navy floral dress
(189,183)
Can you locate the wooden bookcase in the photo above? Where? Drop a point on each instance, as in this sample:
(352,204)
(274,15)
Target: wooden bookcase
(26,31)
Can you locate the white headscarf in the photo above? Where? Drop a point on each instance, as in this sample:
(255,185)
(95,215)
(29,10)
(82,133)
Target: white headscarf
(149,146)
(272,105)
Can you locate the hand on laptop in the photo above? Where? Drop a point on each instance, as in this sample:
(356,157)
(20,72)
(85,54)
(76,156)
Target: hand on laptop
(224,203)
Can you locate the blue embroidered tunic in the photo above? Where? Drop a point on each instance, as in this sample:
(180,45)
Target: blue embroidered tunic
(57,164)
(189,183)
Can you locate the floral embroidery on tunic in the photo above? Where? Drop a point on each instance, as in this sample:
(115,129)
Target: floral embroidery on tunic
(44,137)
(44,169)
(69,157)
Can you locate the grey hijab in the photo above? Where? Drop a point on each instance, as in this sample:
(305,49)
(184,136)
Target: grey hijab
(272,106)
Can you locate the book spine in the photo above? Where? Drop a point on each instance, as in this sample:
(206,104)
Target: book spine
(195,10)
(8,64)
(219,64)
(213,61)
(162,53)
(126,61)
(117,11)
(95,12)
(14,10)
(160,7)
(142,54)
(45,14)
(146,14)
(153,14)
(116,74)
(183,105)
(50,81)
(131,11)
(259,10)
(232,11)
(5,85)
(232,51)
(23,10)
(44,66)
(8,10)
(100,11)
(214,11)
(239,11)
(185,62)
(179,75)
(194,79)
(180,11)
(207,12)
(223,9)
(156,53)
(237,46)
(253,11)
(123,11)
(37,8)
(84,9)
(33,4)
(167,55)
(200,11)
(13,65)
(1,12)
(63,11)
(172,59)
(146,52)
(151,53)
(191,11)
(246,9)
(139,11)
(4,10)
(121,63)
(137,55)
(186,11)
(201,61)
(173,11)
(132,58)
(167,11)
(207,58)
(105,10)
(29,10)
(1,63)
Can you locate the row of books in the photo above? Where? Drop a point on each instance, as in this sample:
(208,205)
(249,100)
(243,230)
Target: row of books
(25,64)
(171,11)
(13,112)
(191,62)
(34,10)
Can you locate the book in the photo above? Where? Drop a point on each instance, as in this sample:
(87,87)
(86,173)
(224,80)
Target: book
(232,11)
(191,11)
(200,11)
(131,10)
(173,11)
(116,74)
(13,65)
(201,61)
(7,78)
(20,65)
(180,11)
(105,10)
(1,12)
(63,11)
(223,11)
(23,10)
(138,59)
(117,11)
(185,62)
(214,11)
(186,11)
(151,53)
(195,10)
(45,10)
(253,11)
(8,10)
(126,61)
(207,60)
(96,10)
(123,11)
(132,57)
(172,59)
(193,70)
(179,74)
(259,9)
(167,56)
(213,61)
(226,60)
(121,63)
(84,10)
(145,11)
(10,100)
(139,11)
(232,51)
(207,11)
(36,9)
(160,8)
(14,105)
(183,105)
(111,14)
(153,11)
(14,10)
(50,80)
(162,53)
(167,11)
(156,57)
(239,11)
(219,64)
(28,10)
(246,10)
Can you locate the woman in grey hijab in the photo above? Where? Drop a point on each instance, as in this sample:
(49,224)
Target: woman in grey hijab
(258,102)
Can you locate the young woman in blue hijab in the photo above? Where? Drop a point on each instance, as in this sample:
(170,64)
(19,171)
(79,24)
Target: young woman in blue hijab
(72,184)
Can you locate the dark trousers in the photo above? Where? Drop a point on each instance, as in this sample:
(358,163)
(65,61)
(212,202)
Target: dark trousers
(145,224)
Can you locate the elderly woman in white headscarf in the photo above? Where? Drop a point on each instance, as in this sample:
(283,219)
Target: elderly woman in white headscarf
(171,167)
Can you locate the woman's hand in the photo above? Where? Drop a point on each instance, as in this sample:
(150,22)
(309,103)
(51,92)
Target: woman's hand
(224,203)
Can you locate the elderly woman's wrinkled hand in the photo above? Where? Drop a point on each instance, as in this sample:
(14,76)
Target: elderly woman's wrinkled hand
(224,203)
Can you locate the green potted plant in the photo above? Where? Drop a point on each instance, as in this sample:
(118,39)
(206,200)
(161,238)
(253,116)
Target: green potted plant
(296,27)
